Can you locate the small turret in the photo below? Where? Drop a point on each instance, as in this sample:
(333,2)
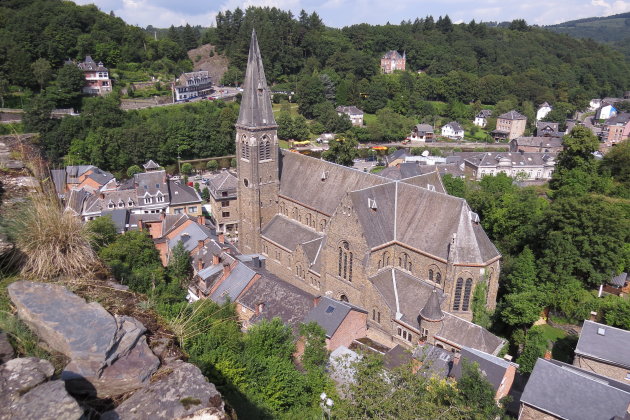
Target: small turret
(432,311)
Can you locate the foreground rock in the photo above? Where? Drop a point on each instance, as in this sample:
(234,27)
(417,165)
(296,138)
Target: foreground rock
(6,351)
(183,393)
(109,354)
(25,394)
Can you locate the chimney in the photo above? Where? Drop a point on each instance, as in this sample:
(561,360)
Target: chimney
(199,244)
(547,355)
(593,316)
(140,225)
(256,262)
(508,357)
(201,220)
(215,259)
(456,357)
(162,216)
(316,300)
(226,269)
(199,264)
(101,196)
(221,238)
(259,308)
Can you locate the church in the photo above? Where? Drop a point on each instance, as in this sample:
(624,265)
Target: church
(403,250)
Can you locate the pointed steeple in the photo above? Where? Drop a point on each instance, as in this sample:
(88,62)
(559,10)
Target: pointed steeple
(256,109)
(432,310)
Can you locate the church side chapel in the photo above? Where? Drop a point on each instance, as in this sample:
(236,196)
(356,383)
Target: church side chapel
(404,251)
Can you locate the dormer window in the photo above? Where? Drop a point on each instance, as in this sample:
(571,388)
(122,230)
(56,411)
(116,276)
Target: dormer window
(372,204)
(160,199)
(148,200)
(130,203)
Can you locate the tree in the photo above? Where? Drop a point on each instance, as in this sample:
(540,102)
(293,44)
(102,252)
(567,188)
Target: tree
(42,71)
(103,232)
(212,165)
(576,166)
(132,170)
(454,186)
(315,354)
(534,346)
(187,168)
(205,195)
(68,86)
(476,391)
(342,151)
(179,267)
(233,163)
(310,92)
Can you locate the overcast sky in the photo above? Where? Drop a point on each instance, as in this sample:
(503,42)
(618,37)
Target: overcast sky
(339,13)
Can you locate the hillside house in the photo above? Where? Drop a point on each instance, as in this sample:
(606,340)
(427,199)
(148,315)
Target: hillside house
(616,129)
(224,201)
(537,144)
(422,132)
(543,110)
(97,81)
(184,199)
(509,126)
(606,111)
(392,60)
(453,131)
(481,119)
(526,166)
(192,85)
(354,113)
(548,129)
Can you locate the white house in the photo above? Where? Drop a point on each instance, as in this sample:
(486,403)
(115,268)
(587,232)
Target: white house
(192,85)
(606,111)
(481,119)
(453,130)
(355,114)
(542,112)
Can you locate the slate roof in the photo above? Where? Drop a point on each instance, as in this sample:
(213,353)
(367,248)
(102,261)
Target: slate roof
(619,280)
(431,180)
(100,176)
(412,293)
(190,236)
(288,233)
(280,299)
(312,191)
(95,204)
(350,110)
(120,217)
(223,181)
(313,249)
(150,165)
(512,115)
(612,347)
(423,128)
(396,357)
(182,194)
(232,286)
(436,362)
(414,209)
(466,334)
(492,159)
(568,392)
(539,141)
(255,110)
(152,182)
(492,367)
(431,310)
(484,113)
(454,125)
(59,180)
(75,200)
(90,65)
(542,125)
(620,119)
(407,170)
(330,314)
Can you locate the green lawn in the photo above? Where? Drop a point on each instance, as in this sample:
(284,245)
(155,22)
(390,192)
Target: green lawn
(563,344)
(292,107)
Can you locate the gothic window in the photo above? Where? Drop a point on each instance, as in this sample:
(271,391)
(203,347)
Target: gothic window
(376,316)
(345,261)
(438,278)
(384,259)
(467,290)
(322,225)
(458,294)
(308,219)
(294,213)
(344,298)
(264,150)
(404,261)
(244,148)
(430,275)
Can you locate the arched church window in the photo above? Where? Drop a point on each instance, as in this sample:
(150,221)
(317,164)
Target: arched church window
(404,261)
(438,278)
(458,294)
(430,275)
(244,147)
(467,291)
(345,261)
(264,150)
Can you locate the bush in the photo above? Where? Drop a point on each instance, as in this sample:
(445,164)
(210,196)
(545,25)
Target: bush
(212,165)
(187,168)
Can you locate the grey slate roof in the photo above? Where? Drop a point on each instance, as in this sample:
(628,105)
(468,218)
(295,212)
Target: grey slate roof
(231,287)
(492,367)
(619,280)
(280,299)
(407,170)
(190,236)
(612,347)
(75,200)
(403,210)
(397,356)
(152,183)
(547,126)
(255,111)
(621,119)
(568,392)
(59,180)
(91,65)
(484,113)
(223,181)
(466,334)
(512,115)
(350,110)
(430,180)
(151,165)
(329,314)
(312,191)
(538,141)
(492,159)
(431,310)
(120,217)
(454,125)
(392,55)
(288,233)
(182,193)
(436,362)
(422,129)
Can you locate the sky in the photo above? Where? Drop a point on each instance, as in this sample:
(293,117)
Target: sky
(339,13)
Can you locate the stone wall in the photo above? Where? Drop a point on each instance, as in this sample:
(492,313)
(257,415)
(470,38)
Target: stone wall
(606,369)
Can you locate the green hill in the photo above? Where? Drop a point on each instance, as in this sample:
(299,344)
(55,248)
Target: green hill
(612,30)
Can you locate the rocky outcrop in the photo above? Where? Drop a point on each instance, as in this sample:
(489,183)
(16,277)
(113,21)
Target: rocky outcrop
(182,392)
(109,354)
(25,394)
(6,351)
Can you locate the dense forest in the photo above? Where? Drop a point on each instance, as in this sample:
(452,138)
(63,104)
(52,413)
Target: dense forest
(464,62)
(612,30)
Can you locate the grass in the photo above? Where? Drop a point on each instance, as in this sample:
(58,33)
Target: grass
(376,169)
(551,333)
(563,343)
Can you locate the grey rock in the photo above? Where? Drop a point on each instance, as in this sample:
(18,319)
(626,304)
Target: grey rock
(49,401)
(182,392)
(109,354)
(6,350)
(18,376)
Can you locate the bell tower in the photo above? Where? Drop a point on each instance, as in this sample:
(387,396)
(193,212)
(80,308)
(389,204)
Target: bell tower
(257,154)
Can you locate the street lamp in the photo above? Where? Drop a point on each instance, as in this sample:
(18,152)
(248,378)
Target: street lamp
(326,404)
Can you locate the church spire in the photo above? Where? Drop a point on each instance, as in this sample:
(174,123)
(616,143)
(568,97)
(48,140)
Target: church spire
(432,311)
(256,109)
